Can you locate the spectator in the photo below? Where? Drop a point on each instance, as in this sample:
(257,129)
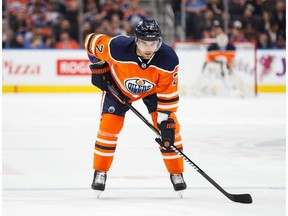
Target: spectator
(266,21)
(50,42)
(72,16)
(117,25)
(35,41)
(66,42)
(128,28)
(217,8)
(91,10)
(14,6)
(268,5)
(279,15)
(51,17)
(104,28)
(205,25)
(263,41)
(66,26)
(236,33)
(36,15)
(135,13)
(7,34)
(17,22)
(51,13)
(59,6)
(273,33)
(248,20)
(235,10)
(280,42)
(18,41)
(176,7)
(194,10)
(114,10)
(254,5)
(86,29)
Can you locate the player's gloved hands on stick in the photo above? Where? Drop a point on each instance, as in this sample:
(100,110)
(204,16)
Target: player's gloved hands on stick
(101,75)
(167,129)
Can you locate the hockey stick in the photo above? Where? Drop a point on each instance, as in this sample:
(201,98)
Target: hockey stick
(241,198)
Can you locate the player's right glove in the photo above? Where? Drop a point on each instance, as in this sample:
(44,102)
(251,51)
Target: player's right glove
(101,75)
(167,129)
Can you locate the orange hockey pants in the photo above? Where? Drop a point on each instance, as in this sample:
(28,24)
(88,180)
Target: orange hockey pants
(106,142)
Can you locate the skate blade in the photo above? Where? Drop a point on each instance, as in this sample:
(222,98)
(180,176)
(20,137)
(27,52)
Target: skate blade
(180,193)
(98,192)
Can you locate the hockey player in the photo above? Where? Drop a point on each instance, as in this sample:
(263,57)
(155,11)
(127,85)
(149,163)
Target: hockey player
(218,68)
(140,67)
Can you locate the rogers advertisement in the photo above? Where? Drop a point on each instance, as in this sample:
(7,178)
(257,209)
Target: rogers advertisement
(73,67)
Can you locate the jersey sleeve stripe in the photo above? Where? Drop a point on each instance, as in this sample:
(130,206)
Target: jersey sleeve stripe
(167,107)
(168,95)
(168,101)
(87,39)
(90,43)
(87,45)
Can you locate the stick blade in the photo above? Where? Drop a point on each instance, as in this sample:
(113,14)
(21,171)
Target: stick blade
(241,198)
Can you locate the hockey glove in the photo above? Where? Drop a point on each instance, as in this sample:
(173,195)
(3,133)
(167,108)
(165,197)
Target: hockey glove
(167,129)
(101,75)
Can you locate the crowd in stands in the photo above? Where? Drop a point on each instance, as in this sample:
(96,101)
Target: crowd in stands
(259,21)
(64,24)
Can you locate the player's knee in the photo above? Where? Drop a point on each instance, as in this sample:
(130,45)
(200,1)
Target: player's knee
(107,119)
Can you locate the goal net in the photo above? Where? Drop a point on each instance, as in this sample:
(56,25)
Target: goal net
(195,79)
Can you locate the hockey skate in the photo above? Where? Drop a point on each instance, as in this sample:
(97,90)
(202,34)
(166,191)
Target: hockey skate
(178,183)
(99,182)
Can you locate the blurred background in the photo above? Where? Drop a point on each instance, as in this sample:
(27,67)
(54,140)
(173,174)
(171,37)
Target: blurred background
(48,139)
(47,25)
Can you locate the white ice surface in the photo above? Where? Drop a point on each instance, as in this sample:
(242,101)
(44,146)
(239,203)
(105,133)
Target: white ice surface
(48,142)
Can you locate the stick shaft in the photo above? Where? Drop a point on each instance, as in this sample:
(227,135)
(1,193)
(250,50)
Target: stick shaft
(243,198)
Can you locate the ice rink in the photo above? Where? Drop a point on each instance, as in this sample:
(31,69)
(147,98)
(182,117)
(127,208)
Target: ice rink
(47,151)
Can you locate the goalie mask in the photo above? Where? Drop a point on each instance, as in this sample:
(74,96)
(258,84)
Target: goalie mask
(222,40)
(147,33)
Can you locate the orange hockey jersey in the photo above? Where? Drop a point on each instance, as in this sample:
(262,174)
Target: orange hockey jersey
(214,53)
(134,77)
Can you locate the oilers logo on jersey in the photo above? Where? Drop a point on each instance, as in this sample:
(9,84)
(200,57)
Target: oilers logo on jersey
(138,85)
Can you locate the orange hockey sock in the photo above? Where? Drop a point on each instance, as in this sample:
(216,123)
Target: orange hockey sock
(106,141)
(173,162)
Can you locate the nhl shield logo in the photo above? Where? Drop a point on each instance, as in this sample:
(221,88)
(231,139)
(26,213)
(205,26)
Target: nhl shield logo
(138,85)
(143,65)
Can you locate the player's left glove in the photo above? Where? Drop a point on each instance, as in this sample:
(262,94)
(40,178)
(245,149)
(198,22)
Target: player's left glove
(167,129)
(101,75)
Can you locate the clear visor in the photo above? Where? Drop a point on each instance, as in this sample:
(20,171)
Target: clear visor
(147,46)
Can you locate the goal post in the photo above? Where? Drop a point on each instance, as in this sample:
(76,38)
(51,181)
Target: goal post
(192,56)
